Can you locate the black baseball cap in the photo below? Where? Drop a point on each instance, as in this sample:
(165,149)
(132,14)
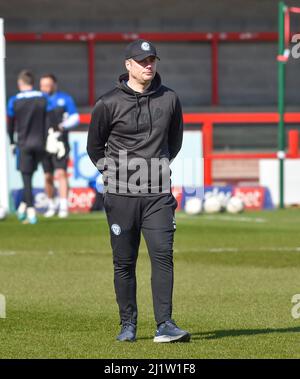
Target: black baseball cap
(140,49)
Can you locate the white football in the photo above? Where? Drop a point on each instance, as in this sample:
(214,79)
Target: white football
(235,205)
(193,206)
(212,205)
(2,213)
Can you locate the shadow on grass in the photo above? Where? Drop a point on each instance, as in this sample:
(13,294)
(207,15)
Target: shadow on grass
(217,334)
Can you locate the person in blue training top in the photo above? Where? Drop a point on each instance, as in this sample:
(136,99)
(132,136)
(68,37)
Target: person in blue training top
(65,118)
(27,129)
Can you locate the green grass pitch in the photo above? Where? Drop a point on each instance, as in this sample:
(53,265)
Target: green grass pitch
(235,277)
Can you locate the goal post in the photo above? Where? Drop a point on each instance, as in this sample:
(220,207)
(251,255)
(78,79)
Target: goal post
(281,99)
(4,191)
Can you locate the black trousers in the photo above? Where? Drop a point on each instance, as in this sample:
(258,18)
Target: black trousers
(153,216)
(28,161)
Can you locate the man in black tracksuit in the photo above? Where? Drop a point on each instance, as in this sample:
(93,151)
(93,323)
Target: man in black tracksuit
(135,131)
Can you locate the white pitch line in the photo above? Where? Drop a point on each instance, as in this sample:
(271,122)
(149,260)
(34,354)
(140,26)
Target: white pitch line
(209,250)
(221,218)
(7,253)
(297,249)
(196,249)
(239,219)
(236,250)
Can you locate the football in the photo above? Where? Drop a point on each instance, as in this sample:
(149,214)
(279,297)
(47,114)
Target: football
(212,205)
(235,205)
(193,206)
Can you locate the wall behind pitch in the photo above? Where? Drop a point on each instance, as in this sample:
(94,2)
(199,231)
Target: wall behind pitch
(138,15)
(248,74)
(247,71)
(67,61)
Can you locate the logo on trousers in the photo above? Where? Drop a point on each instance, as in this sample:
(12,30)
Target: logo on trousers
(116,229)
(174,223)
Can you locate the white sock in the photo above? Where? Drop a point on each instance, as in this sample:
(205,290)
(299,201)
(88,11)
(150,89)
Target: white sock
(63,204)
(51,203)
(22,207)
(31,212)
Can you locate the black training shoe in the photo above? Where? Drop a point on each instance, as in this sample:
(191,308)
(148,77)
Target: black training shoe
(128,332)
(168,331)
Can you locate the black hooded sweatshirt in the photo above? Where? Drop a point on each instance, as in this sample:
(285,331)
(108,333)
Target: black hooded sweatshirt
(142,125)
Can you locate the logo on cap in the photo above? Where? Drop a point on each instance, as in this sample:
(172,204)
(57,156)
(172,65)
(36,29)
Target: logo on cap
(145,46)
